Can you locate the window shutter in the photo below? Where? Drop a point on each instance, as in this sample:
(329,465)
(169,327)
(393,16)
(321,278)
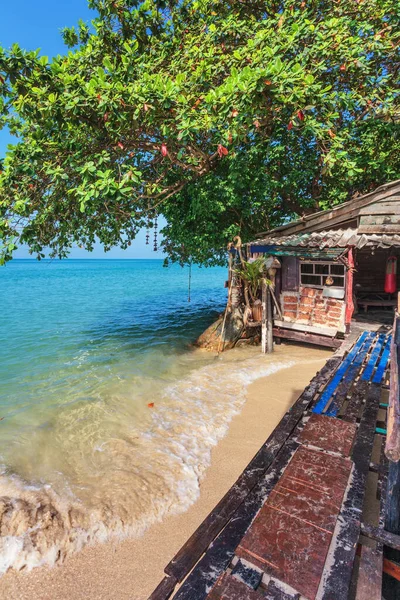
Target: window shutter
(290,274)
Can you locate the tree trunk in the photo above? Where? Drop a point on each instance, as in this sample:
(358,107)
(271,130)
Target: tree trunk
(222,336)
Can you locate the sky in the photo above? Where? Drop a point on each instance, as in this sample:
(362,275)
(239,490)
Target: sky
(37,24)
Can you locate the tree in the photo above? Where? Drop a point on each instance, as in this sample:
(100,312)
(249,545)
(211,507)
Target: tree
(226,117)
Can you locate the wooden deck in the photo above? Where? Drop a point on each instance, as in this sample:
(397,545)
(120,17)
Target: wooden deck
(292,525)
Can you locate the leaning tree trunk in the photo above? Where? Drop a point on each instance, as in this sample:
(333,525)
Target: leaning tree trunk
(231,328)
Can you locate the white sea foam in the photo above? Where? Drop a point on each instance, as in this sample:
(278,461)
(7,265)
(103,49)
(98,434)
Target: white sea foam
(106,469)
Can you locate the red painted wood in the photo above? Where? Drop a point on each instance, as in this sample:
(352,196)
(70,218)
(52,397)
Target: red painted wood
(229,588)
(290,549)
(332,435)
(291,534)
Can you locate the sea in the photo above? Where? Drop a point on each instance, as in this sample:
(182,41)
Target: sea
(108,412)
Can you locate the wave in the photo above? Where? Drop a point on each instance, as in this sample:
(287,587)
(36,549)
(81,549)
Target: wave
(114,467)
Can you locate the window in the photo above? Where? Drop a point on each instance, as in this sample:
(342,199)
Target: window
(316,274)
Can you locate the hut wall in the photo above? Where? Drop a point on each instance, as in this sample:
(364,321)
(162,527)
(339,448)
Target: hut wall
(307,306)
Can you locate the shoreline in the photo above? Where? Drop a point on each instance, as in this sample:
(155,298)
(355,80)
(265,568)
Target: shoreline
(132,568)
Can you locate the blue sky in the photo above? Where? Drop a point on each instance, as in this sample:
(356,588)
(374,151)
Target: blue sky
(37,24)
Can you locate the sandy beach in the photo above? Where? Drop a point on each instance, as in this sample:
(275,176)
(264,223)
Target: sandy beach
(131,568)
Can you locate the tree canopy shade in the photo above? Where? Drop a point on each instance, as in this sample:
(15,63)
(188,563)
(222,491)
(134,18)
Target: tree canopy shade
(225,117)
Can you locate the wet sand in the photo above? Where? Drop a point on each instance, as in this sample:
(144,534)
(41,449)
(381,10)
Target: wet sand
(130,569)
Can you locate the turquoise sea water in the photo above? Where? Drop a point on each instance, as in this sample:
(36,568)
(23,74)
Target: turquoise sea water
(68,326)
(108,415)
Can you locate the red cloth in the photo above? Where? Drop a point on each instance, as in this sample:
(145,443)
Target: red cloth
(349,289)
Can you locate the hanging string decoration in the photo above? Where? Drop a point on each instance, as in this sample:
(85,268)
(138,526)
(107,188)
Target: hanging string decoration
(155,235)
(148,230)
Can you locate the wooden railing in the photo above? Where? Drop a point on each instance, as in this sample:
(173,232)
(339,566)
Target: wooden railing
(392,448)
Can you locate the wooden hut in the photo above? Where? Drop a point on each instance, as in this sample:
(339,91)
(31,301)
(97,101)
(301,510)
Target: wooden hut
(334,264)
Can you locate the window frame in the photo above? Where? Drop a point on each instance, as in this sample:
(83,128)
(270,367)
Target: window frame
(323,276)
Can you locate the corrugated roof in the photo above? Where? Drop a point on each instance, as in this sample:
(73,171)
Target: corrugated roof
(335,238)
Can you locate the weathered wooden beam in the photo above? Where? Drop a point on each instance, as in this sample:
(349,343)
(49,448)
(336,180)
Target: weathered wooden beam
(307,338)
(392,448)
(165,589)
(358,395)
(332,386)
(391,207)
(270,321)
(379,229)
(267,339)
(392,512)
(381,220)
(381,535)
(336,579)
(391,568)
(369,583)
(264,341)
(348,380)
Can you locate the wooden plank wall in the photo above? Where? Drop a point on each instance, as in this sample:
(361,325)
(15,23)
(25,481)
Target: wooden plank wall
(381,217)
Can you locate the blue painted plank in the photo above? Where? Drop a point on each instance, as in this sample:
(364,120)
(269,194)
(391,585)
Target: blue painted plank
(366,376)
(349,377)
(332,385)
(380,371)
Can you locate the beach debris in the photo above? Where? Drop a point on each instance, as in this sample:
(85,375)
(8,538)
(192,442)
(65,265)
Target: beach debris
(151,405)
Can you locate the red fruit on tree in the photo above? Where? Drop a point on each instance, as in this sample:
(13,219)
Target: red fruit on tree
(235,112)
(164,149)
(290,126)
(342,67)
(257,124)
(222,151)
(145,107)
(120,145)
(106,115)
(300,115)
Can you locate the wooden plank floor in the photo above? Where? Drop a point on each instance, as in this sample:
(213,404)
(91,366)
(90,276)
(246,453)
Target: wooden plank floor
(291,523)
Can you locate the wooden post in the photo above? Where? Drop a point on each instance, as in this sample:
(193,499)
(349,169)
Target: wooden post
(270,323)
(267,337)
(392,447)
(349,289)
(264,318)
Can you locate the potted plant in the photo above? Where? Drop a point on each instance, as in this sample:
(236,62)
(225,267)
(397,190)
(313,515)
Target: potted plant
(252,276)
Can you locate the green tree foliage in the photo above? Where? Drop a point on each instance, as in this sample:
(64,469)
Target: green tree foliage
(225,117)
